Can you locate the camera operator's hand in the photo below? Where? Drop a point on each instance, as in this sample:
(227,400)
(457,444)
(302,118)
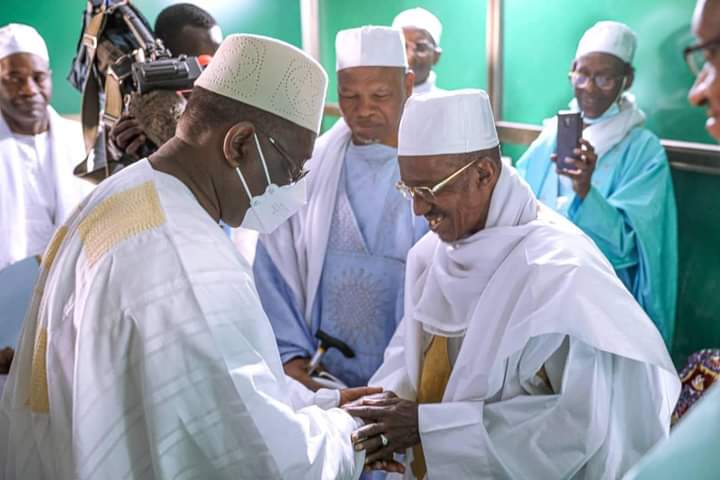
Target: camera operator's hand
(128,136)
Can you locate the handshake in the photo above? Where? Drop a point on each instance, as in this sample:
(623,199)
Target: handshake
(391,425)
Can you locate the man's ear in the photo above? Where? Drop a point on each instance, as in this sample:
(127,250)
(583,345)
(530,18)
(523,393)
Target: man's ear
(438,53)
(629,78)
(488,170)
(409,82)
(238,143)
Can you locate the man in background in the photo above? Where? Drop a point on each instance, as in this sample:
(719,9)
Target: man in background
(422,32)
(38,149)
(619,190)
(338,266)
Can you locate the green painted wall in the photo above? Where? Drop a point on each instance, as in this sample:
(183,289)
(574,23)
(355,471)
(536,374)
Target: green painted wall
(539,45)
(698,312)
(463,39)
(58,21)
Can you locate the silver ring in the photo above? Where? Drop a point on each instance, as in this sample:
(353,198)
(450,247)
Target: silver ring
(384,440)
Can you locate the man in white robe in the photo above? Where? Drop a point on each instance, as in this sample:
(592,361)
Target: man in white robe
(422,32)
(38,149)
(146,353)
(521,355)
(338,266)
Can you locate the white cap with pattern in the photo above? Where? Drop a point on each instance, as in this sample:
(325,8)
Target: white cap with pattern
(420,18)
(271,75)
(610,37)
(19,38)
(370,46)
(447,122)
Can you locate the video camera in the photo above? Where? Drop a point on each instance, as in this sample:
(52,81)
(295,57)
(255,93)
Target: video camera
(118,57)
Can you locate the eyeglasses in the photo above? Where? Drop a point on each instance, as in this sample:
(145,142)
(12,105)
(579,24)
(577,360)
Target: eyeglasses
(420,48)
(603,82)
(428,193)
(696,55)
(297,172)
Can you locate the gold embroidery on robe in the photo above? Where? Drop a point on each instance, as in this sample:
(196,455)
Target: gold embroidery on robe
(49,256)
(39,401)
(118,218)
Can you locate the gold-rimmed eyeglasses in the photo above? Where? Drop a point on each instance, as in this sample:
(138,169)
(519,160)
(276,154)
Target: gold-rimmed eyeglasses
(428,193)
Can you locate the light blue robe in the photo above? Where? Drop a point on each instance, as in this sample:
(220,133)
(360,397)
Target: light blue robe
(629,212)
(360,295)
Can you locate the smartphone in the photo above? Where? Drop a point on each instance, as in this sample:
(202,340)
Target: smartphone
(569,132)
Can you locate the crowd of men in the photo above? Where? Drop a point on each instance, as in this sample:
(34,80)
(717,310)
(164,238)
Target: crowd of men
(255,299)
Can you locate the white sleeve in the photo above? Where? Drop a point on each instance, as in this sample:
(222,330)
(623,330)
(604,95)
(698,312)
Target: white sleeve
(301,396)
(526,436)
(216,402)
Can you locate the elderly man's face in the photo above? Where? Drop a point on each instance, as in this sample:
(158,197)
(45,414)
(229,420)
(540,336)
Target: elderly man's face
(706,90)
(422,53)
(25,90)
(459,209)
(605,73)
(372,100)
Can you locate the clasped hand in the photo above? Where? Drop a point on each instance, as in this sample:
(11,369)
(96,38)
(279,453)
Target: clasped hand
(391,426)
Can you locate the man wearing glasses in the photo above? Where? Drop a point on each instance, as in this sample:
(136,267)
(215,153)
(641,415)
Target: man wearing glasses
(337,268)
(422,32)
(146,352)
(521,354)
(620,191)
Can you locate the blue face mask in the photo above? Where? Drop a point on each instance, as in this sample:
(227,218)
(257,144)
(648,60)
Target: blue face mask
(609,113)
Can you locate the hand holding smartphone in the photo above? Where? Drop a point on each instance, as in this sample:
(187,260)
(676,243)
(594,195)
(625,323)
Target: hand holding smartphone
(569,132)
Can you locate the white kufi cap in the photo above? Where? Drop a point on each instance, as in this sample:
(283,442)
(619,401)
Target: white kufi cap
(18,38)
(370,46)
(614,38)
(270,75)
(420,18)
(447,122)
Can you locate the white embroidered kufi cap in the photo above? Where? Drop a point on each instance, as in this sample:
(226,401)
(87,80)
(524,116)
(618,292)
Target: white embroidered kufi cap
(420,18)
(19,38)
(271,75)
(447,122)
(370,46)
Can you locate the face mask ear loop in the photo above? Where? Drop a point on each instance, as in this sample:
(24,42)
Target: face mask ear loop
(262,159)
(245,185)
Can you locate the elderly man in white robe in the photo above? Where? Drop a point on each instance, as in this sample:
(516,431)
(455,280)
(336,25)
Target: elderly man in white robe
(521,355)
(38,149)
(337,268)
(422,32)
(146,353)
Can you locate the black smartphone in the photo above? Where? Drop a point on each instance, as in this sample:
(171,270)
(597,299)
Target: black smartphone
(569,132)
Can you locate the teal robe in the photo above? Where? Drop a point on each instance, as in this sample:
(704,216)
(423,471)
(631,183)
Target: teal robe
(691,450)
(629,212)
